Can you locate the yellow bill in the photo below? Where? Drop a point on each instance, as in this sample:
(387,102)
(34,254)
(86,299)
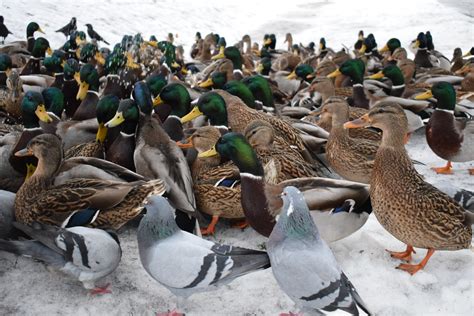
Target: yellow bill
(195,112)
(81,94)
(335,73)
(207,83)
(116,120)
(378,75)
(101,133)
(157,101)
(208,153)
(424,96)
(292,75)
(42,114)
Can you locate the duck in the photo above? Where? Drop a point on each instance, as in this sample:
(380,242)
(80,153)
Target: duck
(351,158)
(54,65)
(88,80)
(443,61)
(5,68)
(410,209)
(232,53)
(156,156)
(371,58)
(449,138)
(70,87)
(22,47)
(78,202)
(218,80)
(40,48)
(11,95)
(391,45)
(216,194)
(120,150)
(224,109)
(354,68)
(106,109)
(290,164)
(423,58)
(33,111)
(339,207)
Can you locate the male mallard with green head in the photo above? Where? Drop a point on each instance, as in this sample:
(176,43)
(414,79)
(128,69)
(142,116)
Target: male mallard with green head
(450,138)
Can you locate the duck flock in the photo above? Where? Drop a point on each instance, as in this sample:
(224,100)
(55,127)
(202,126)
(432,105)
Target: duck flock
(300,145)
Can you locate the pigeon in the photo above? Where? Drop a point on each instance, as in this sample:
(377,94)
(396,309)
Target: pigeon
(185,263)
(3,30)
(7,213)
(87,254)
(94,35)
(304,266)
(69,28)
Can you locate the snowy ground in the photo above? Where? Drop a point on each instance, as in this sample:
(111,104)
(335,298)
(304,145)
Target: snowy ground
(445,287)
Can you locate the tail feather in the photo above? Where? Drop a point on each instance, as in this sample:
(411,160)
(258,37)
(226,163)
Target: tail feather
(34,249)
(43,233)
(358,300)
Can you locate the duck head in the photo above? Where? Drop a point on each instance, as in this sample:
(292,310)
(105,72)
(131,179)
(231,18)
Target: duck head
(213,106)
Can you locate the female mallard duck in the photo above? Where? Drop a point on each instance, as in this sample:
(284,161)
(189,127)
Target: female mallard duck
(78,202)
(216,194)
(448,137)
(289,162)
(325,87)
(106,109)
(351,158)
(224,109)
(324,120)
(354,68)
(156,156)
(412,210)
(339,206)
(218,80)
(11,95)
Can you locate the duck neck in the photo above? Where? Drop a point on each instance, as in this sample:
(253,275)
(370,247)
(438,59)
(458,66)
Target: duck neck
(393,136)
(47,168)
(358,95)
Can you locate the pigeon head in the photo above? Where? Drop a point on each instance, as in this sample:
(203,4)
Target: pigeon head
(295,220)
(159,222)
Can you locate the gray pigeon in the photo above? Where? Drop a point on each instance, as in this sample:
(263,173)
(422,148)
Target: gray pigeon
(87,254)
(7,213)
(304,266)
(185,263)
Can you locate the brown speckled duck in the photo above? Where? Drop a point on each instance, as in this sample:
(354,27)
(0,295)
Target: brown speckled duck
(217,194)
(77,202)
(411,209)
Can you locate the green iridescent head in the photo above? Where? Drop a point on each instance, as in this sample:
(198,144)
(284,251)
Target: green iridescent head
(54,100)
(5,62)
(177,96)
(240,90)
(89,75)
(32,100)
(353,68)
(261,89)
(32,28)
(40,47)
(445,95)
(156,83)
(214,107)
(54,63)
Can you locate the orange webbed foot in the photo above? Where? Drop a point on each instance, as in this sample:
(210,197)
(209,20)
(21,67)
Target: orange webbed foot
(444,170)
(243,224)
(414,268)
(402,255)
(210,230)
(170,313)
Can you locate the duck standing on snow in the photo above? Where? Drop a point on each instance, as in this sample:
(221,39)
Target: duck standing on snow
(303,264)
(87,254)
(412,210)
(184,263)
(450,138)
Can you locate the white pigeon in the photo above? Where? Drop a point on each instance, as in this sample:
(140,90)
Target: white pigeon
(87,254)
(304,266)
(185,263)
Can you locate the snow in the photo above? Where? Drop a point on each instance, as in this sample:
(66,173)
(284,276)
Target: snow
(444,287)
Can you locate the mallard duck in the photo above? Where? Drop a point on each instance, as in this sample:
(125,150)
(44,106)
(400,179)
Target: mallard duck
(423,58)
(54,65)
(77,202)
(467,84)
(216,194)
(120,151)
(409,208)
(340,207)
(354,68)
(5,68)
(33,110)
(351,158)
(224,109)
(40,48)
(10,179)
(371,57)
(11,95)
(88,80)
(106,109)
(360,41)
(156,156)
(289,162)
(218,80)
(302,72)
(233,54)
(70,87)
(391,45)
(22,47)
(449,138)
(325,87)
